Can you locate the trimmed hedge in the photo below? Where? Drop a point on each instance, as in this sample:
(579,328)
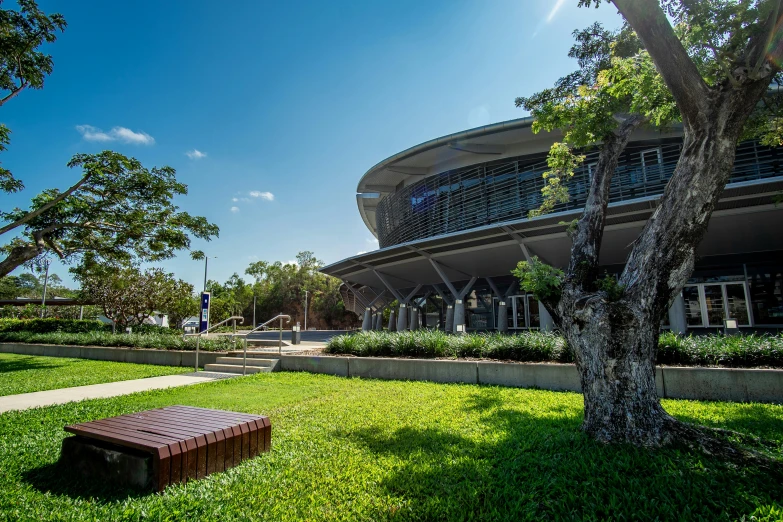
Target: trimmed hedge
(741,351)
(41,326)
(158,341)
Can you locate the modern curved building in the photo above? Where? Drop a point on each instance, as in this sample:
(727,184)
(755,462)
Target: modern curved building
(451,218)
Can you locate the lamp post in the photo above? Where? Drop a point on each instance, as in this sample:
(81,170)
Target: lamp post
(305,326)
(46,282)
(206,264)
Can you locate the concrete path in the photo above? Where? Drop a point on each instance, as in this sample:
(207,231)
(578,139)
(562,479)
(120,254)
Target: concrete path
(23,401)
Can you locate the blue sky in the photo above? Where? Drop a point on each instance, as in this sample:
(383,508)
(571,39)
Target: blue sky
(287,103)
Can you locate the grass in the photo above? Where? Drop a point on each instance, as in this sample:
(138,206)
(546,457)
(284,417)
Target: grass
(25,373)
(352,449)
(742,351)
(158,341)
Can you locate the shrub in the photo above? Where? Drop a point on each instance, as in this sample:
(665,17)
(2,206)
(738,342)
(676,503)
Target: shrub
(159,341)
(743,351)
(52,325)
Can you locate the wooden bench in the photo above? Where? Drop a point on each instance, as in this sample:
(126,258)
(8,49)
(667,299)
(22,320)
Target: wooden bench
(170,445)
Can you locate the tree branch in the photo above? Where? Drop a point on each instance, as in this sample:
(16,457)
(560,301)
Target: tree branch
(589,232)
(675,66)
(35,213)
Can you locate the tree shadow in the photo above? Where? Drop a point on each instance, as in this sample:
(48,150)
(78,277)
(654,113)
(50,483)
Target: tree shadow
(509,463)
(26,363)
(57,479)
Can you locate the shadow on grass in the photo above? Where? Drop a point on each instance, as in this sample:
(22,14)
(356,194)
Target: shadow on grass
(514,463)
(57,479)
(26,363)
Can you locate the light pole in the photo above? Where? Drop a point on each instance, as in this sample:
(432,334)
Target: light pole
(46,282)
(305,327)
(206,264)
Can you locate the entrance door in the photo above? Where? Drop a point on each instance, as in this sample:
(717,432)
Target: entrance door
(708,305)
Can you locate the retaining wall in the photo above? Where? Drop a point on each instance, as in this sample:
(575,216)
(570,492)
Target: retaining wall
(712,384)
(105,353)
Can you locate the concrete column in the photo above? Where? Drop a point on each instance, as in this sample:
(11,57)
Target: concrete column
(677,322)
(392,322)
(459,314)
(547,324)
(449,318)
(414,317)
(424,315)
(402,319)
(502,316)
(376,321)
(367,322)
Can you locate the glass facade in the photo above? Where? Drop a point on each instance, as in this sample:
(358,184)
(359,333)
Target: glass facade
(508,189)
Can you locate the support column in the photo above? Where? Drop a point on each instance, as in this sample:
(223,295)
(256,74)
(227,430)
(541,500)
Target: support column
(547,324)
(449,318)
(459,314)
(677,321)
(392,323)
(414,317)
(502,315)
(367,322)
(402,318)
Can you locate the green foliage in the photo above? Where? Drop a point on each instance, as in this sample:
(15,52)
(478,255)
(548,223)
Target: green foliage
(52,325)
(611,287)
(22,64)
(527,346)
(562,163)
(742,351)
(123,212)
(129,296)
(369,450)
(539,279)
(26,374)
(160,339)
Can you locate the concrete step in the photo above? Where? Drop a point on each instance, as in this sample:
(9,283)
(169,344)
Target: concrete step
(235,368)
(266,342)
(251,361)
(251,354)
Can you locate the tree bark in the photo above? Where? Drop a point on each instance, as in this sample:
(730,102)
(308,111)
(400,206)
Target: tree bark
(18,256)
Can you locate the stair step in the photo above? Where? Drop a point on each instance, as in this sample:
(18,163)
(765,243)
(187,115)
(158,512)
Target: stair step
(255,354)
(251,361)
(234,368)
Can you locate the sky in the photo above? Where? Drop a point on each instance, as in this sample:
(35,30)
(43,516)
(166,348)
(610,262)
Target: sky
(272,111)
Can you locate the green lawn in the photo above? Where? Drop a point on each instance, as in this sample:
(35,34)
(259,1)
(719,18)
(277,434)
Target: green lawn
(351,449)
(26,373)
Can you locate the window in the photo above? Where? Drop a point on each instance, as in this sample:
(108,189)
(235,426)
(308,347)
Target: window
(708,305)
(766,293)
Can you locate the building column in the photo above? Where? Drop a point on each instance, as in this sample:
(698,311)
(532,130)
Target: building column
(414,317)
(546,322)
(502,316)
(677,322)
(459,314)
(449,318)
(367,322)
(402,318)
(378,321)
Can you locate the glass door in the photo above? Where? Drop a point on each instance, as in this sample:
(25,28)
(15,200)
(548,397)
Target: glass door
(708,305)
(714,309)
(737,303)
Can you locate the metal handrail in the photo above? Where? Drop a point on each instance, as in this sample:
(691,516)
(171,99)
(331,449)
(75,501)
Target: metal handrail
(260,326)
(233,318)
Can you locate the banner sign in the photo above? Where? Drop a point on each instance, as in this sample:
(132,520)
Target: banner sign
(203,320)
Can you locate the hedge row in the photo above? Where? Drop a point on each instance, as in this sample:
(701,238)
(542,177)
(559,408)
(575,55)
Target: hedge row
(741,351)
(158,341)
(51,325)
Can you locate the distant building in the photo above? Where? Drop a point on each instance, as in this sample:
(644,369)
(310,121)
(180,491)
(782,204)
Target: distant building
(451,218)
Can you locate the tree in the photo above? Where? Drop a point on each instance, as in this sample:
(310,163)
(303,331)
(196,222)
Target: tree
(22,65)
(128,296)
(120,211)
(710,71)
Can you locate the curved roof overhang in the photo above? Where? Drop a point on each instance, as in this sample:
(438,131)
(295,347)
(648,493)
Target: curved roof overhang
(745,220)
(497,141)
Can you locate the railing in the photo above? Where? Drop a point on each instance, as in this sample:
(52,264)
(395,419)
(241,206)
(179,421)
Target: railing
(234,335)
(507,189)
(263,326)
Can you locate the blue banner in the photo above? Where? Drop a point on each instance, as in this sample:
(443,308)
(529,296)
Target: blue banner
(203,321)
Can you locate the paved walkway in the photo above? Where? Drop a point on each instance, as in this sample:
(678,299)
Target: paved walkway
(23,401)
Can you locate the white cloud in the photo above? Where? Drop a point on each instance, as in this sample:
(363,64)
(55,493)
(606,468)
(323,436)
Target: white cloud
(234,209)
(195,154)
(122,134)
(268,196)
(554,10)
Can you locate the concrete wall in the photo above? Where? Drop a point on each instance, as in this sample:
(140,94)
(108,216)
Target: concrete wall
(131,355)
(712,384)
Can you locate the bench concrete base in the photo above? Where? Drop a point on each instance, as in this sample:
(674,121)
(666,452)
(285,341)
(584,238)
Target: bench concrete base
(710,384)
(105,463)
